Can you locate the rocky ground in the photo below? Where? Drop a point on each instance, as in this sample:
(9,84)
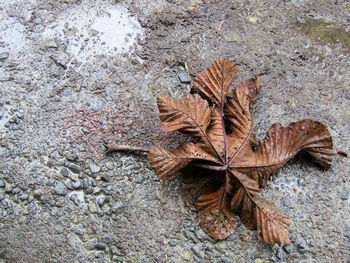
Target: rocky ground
(76,73)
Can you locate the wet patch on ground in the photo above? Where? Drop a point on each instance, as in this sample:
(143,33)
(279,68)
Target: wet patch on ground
(325,32)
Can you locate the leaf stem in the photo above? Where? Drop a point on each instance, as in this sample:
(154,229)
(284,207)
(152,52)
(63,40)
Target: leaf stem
(126,148)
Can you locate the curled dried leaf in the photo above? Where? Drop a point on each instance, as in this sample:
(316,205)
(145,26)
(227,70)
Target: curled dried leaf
(283,143)
(217,224)
(168,163)
(215,81)
(213,211)
(223,126)
(190,115)
(272,225)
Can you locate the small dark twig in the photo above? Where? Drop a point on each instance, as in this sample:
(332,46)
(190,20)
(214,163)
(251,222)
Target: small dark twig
(342,153)
(126,148)
(58,63)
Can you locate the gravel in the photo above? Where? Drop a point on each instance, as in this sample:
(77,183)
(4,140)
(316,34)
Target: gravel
(344,194)
(65,172)
(100,246)
(78,185)
(52,43)
(92,207)
(100,200)
(94,168)
(301,245)
(4,56)
(198,251)
(117,206)
(184,77)
(106,240)
(60,189)
(288,248)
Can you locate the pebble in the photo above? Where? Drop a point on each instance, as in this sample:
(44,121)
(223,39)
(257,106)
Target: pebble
(109,90)
(109,190)
(275,248)
(65,172)
(226,260)
(344,194)
(89,190)
(302,246)
(78,185)
(101,75)
(274,259)
(100,246)
(186,255)
(151,196)
(96,190)
(60,189)
(8,188)
(73,167)
(139,179)
(74,178)
(184,77)
(288,248)
(16,190)
(3,27)
(37,20)
(7,203)
(85,183)
(197,249)
(92,207)
(60,202)
(94,168)
(101,199)
(117,206)
(252,19)
(32,208)
(62,58)
(172,243)
(295,255)
(68,184)
(280,254)
(52,43)
(90,244)
(119,164)
(306,42)
(232,237)
(97,104)
(85,130)
(118,259)
(100,254)
(23,197)
(201,235)
(2,184)
(190,236)
(106,239)
(4,56)
(74,198)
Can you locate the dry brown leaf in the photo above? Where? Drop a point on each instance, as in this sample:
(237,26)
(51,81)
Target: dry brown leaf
(272,225)
(222,124)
